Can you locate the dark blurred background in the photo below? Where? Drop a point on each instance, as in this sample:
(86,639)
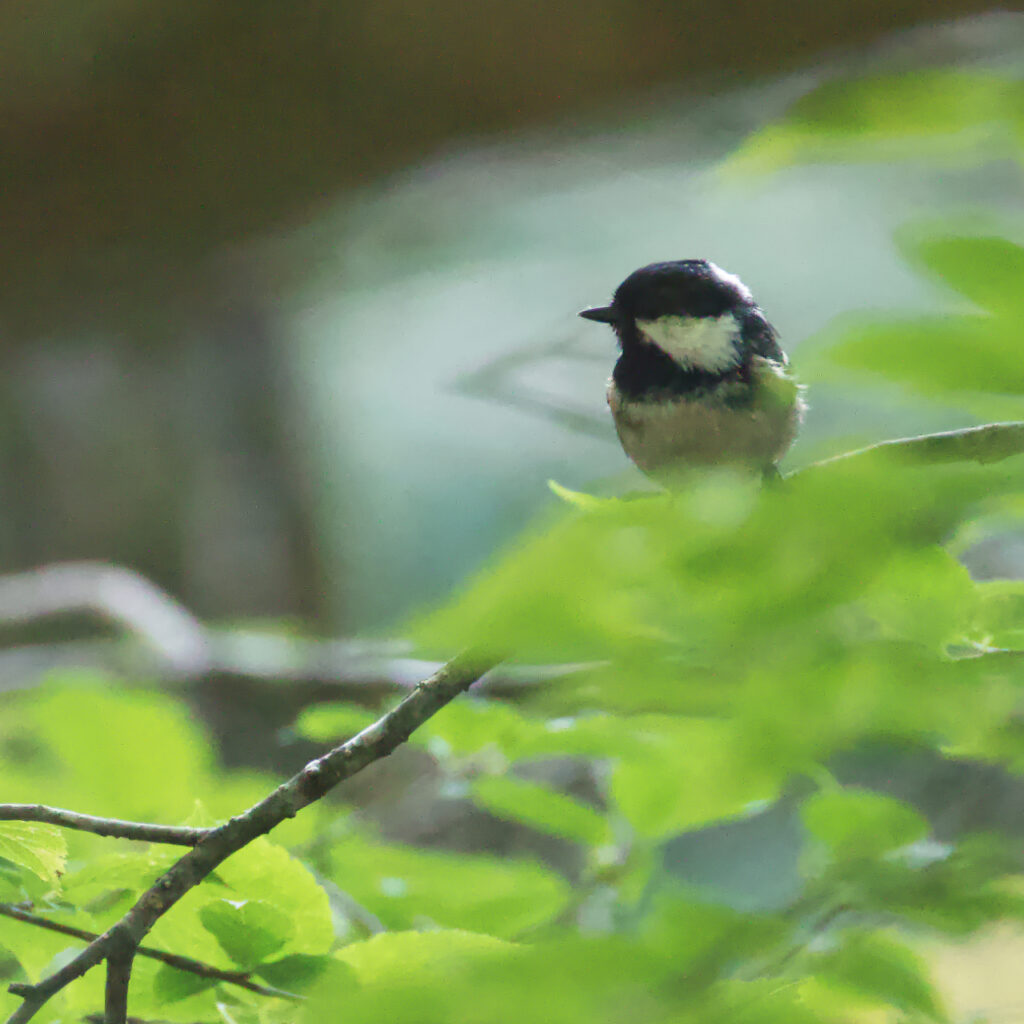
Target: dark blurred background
(288,288)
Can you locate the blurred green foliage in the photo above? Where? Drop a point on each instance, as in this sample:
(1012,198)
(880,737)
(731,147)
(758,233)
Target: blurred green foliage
(732,642)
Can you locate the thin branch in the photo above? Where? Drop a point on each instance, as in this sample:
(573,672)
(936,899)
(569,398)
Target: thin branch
(103,826)
(310,784)
(988,443)
(181,963)
(115,994)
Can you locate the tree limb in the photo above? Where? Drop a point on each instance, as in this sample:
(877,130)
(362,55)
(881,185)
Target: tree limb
(988,443)
(313,782)
(103,826)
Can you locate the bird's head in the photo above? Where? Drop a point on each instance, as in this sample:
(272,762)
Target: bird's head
(702,317)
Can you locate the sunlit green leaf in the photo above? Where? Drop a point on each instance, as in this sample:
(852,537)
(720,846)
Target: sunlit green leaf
(247,930)
(407,887)
(408,956)
(877,966)
(442,977)
(856,823)
(294,973)
(925,596)
(695,772)
(934,355)
(968,115)
(171,985)
(986,269)
(578,499)
(541,808)
(329,723)
(999,614)
(39,848)
(267,873)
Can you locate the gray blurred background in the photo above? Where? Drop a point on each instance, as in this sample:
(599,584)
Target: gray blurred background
(289,289)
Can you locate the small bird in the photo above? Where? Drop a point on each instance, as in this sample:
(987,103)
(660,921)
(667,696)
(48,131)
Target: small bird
(701,379)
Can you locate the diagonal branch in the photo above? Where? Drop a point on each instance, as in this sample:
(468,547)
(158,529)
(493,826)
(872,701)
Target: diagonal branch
(181,963)
(988,443)
(310,784)
(103,826)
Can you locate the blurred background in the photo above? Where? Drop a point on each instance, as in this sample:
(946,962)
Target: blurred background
(289,296)
(289,293)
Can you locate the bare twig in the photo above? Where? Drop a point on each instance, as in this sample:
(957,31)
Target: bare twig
(182,963)
(119,974)
(988,443)
(310,784)
(103,826)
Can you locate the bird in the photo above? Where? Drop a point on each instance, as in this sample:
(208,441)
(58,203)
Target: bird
(701,379)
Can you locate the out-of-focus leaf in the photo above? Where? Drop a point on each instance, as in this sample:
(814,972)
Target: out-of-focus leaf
(934,355)
(697,771)
(540,807)
(921,113)
(926,596)
(327,723)
(986,269)
(877,966)
(707,938)
(578,499)
(410,956)
(407,887)
(144,733)
(999,615)
(648,584)
(444,977)
(247,930)
(856,823)
(470,725)
(38,847)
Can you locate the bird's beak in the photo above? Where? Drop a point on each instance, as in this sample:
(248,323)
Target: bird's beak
(602,314)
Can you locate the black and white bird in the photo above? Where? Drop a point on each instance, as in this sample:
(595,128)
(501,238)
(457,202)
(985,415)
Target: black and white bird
(701,379)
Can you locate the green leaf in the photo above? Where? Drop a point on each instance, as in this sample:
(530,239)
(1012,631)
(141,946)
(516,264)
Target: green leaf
(133,872)
(856,823)
(999,614)
(659,587)
(986,269)
(925,596)
(934,355)
(330,722)
(443,977)
(879,967)
(694,771)
(39,848)
(295,973)
(247,930)
(469,725)
(408,887)
(540,807)
(171,985)
(266,873)
(923,113)
(577,499)
(411,956)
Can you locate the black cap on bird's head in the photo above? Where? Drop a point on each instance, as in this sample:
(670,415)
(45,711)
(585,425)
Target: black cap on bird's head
(687,288)
(701,318)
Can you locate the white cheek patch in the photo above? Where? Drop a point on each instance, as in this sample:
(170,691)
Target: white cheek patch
(696,343)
